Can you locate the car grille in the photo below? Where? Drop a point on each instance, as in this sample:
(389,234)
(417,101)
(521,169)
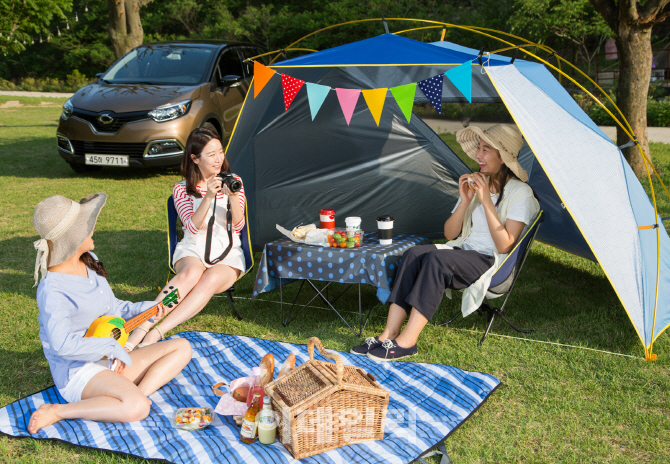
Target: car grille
(134,150)
(120,119)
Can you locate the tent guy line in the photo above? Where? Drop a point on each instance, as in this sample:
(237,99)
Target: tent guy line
(478,332)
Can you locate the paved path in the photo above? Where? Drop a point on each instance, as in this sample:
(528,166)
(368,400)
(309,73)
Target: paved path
(21,93)
(656,134)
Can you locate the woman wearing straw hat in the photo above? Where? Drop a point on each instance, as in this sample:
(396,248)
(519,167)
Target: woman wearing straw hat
(494,208)
(99,380)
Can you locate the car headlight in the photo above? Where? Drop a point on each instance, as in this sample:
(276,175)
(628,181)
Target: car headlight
(67,110)
(171,111)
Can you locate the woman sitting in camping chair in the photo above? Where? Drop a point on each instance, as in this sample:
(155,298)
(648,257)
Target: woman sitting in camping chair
(494,207)
(194,197)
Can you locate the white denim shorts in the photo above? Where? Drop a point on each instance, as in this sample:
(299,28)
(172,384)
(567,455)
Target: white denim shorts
(72,391)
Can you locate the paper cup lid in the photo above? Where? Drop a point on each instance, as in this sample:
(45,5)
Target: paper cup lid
(385,218)
(327,211)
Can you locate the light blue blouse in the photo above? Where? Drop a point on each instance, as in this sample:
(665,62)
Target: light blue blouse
(68,304)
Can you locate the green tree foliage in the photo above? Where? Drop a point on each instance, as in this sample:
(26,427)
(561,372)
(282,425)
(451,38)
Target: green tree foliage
(570,26)
(84,46)
(565,25)
(22,20)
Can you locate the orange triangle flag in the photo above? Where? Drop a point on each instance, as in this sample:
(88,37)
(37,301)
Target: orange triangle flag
(375,99)
(262,75)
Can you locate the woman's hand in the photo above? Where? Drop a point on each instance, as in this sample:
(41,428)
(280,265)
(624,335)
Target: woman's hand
(162,311)
(118,366)
(226,191)
(213,187)
(464,189)
(481,186)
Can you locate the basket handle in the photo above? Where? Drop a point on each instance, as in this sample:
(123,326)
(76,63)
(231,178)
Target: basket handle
(339,367)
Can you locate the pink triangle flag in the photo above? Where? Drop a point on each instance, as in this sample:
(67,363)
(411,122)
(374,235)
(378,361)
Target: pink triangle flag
(291,86)
(348,99)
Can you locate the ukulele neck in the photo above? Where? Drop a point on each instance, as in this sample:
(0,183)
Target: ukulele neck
(140,319)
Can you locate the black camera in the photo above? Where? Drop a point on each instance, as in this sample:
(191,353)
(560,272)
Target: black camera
(229,179)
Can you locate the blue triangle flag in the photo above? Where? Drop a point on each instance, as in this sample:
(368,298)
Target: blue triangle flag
(316,94)
(461,77)
(432,89)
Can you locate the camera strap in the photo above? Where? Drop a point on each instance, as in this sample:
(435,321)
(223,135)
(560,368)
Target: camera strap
(210,228)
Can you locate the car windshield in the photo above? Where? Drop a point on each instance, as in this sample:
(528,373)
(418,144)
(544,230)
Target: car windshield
(169,65)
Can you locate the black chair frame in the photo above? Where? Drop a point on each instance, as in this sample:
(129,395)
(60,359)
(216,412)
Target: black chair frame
(505,285)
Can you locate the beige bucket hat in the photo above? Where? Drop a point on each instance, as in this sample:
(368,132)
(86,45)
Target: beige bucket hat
(66,224)
(506,139)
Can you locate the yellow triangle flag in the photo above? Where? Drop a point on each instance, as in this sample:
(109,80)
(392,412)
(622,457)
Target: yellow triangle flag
(375,99)
(262,75)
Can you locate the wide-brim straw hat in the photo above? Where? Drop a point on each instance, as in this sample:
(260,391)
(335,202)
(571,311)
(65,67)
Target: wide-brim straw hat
(506,139)
(66,224)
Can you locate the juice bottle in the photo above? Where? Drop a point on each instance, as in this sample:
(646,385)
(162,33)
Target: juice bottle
(267,426)
(256,386)
(248,432)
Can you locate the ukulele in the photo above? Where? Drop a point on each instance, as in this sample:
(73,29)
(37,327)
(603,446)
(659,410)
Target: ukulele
(118,329)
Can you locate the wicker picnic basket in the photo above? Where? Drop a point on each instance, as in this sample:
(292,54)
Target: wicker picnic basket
(324,406)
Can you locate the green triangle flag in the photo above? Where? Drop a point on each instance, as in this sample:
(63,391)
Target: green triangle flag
(404,96)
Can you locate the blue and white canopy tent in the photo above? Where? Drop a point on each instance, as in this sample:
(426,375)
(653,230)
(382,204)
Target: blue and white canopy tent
(299,151)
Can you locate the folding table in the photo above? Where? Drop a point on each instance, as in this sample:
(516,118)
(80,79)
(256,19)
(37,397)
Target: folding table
(284,261)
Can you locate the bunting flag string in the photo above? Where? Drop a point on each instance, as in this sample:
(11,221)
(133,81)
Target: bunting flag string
(404,97)
(375,99)
(316,95)
(348,99)
(432,88)
(461,77)
(291,86)
(262,75)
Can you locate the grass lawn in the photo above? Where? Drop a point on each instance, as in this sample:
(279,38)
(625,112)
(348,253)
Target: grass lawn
(556,403)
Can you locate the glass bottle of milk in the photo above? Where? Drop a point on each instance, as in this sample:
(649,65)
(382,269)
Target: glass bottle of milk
(267,426)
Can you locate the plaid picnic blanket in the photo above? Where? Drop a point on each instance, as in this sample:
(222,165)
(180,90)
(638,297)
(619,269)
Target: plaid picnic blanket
(427,403)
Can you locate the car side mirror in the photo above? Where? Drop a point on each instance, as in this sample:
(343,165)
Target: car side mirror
(230,79)
(99,75)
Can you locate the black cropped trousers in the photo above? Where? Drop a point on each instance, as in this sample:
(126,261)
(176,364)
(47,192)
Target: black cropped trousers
(426,271)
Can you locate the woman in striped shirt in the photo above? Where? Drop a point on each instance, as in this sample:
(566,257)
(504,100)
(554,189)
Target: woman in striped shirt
(194,197)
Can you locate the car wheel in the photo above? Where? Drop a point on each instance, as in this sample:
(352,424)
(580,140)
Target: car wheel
(210,126)
(83,168)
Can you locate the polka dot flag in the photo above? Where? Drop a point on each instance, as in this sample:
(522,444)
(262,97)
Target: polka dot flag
(291,86)
(432,89)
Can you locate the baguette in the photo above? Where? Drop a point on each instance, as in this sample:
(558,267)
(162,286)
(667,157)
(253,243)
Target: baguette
(287,366)
(267,369)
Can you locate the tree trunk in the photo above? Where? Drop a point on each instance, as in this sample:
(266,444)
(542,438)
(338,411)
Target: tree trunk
(125,26)
(634,47)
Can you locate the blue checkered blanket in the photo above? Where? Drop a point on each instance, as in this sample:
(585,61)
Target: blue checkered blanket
(427,403)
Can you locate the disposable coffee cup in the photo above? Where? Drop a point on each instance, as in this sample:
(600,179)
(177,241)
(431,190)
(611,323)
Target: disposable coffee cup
(353,222)
(385,230)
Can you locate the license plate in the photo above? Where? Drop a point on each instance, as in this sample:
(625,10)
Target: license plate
(107,160)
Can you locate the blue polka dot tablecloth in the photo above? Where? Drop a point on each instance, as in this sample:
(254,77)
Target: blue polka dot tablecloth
(371,263)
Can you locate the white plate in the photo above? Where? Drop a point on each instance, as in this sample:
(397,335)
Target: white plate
(107,160)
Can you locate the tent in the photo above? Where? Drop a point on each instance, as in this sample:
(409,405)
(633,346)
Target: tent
(294,162)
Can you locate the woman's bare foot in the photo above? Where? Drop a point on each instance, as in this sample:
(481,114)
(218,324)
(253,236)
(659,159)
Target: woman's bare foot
(43,417)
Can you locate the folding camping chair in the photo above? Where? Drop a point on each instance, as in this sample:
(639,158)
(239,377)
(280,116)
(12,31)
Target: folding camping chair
(504,279)
(175,233)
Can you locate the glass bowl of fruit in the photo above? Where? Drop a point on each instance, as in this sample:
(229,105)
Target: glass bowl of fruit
(192,418)
(345,238)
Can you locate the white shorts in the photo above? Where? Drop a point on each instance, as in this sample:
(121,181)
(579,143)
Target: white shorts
(72,391)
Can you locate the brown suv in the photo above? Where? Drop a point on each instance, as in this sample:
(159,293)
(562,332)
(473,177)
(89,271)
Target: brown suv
(141,111)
